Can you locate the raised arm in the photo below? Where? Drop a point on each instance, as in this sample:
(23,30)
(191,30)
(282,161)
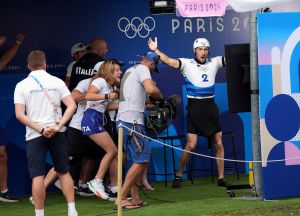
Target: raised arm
(153,45)
(2,40)
(10,54)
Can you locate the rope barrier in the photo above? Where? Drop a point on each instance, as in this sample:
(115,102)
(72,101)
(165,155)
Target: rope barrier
(203,155)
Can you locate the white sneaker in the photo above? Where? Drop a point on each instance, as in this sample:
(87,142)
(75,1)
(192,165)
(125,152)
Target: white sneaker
(57,184)
(31,200)
(73,213)
(98,189)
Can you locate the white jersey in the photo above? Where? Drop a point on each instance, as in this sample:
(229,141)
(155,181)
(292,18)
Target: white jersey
(200,78)
(38,106)
(103,88)
(82,87)
(69,69)
(133,94)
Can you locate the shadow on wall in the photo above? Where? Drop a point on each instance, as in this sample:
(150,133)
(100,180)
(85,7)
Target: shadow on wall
(232,122)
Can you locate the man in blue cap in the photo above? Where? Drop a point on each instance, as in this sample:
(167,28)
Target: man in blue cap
(136,84)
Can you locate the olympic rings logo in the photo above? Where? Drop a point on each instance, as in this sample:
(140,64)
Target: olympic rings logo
(136,26)
(204,69)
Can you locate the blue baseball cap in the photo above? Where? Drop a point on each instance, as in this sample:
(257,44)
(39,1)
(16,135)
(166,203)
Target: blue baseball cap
(152,56)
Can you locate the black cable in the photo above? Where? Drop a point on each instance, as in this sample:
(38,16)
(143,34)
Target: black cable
(152,198)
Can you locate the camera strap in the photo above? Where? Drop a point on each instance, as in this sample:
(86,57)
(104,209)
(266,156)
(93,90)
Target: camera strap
(132,134)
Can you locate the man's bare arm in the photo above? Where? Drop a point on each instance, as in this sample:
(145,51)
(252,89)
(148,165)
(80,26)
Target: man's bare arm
(153,45)
(10,54)
(152,89)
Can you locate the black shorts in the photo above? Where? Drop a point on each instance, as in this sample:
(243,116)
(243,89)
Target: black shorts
(203,117)
(80,146)
(36,154)
(3,138)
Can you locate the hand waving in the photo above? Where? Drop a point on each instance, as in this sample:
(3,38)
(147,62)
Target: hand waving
(152,44)
(20,38)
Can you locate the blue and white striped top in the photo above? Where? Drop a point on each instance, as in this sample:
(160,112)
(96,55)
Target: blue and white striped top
(200,78)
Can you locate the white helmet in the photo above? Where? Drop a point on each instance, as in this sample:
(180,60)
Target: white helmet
(201,42)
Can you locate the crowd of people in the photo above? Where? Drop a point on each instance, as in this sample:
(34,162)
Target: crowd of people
(98,99)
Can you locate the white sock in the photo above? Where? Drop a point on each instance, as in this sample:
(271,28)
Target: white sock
(4,191)
(39,212)
(71,207)
(80,182)
(99,180)
(84,185)
(114,189)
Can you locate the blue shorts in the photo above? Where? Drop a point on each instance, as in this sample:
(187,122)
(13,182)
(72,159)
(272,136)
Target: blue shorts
(80,146)
(92,122)
(36,154)
(3,138)
(131,147)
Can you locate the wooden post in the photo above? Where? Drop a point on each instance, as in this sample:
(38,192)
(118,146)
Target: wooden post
(120,167)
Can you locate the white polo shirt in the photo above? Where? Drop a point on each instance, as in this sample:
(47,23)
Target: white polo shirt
(38,106)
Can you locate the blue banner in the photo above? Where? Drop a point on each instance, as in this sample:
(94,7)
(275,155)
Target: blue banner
(54,26)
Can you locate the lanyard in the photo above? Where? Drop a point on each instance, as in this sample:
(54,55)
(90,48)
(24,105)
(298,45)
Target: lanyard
(45,90)
(56,108)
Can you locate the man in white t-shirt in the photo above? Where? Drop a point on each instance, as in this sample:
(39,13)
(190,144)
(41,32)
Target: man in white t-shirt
(37,101)
(199,75)
(135,85)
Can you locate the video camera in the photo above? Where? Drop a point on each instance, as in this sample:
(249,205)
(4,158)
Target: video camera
(163,113)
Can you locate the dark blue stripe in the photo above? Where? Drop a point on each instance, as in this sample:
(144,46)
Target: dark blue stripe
(199,91)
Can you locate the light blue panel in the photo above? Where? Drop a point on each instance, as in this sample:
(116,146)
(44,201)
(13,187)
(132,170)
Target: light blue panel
(265,88)
(297,143)
(279,180)
(295,70)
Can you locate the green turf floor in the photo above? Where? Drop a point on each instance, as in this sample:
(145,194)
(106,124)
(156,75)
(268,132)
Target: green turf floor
(201,198)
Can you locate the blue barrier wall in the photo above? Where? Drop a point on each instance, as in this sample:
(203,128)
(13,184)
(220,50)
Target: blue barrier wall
(54,26)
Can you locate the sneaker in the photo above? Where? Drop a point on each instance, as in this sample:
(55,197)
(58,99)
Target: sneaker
(31,200)
(98,189)
(73,213)
(177,182)
(223,183)
(112,196)
(7,197)
(83,190)
(57,184)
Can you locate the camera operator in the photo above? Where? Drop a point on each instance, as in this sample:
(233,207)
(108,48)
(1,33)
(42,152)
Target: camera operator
(135,85)
(203,114)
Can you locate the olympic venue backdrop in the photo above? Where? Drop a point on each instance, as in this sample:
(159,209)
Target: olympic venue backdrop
(54,26)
